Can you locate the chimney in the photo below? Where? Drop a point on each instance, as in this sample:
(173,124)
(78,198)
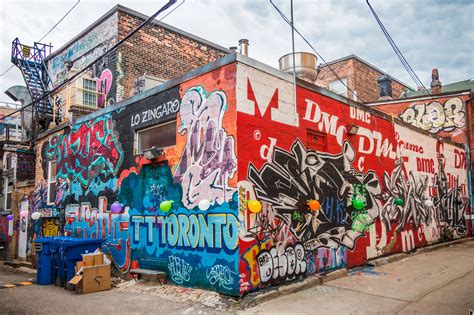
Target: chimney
(305,65)
(233,49)
(244,46)
(435,82)
(385,87)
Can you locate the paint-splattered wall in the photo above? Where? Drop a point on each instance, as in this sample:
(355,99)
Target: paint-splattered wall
(413,186)
(240,117)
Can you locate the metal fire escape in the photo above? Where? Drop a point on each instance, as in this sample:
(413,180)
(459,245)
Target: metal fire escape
(30,61)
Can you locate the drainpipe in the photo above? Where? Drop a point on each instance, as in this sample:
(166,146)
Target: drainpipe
(469,114)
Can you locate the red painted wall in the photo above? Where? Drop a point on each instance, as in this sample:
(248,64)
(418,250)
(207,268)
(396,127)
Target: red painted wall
(285,160)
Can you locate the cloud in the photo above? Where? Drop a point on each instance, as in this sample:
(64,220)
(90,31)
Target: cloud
(430,33)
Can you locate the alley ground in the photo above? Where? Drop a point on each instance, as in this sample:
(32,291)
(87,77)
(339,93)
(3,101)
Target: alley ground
(437,282)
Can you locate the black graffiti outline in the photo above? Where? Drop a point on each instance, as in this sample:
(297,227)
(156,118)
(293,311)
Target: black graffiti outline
(291,178)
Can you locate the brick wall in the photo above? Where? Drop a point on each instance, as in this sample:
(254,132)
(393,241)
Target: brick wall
(158,52)
(25,166)
(360,78)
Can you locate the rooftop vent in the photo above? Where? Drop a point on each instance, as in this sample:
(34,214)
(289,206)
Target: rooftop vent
(305,65)
(244,46)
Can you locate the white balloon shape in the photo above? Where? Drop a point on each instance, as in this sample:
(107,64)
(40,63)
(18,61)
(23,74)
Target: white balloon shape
(428,203)
(36,215)
(204,204)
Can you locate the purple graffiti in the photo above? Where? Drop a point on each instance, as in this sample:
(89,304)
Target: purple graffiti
(209,158)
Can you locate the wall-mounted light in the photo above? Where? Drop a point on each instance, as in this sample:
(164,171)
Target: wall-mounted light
(153,153)
(352,129)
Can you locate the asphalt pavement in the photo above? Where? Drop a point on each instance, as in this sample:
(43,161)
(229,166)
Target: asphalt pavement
(436,282)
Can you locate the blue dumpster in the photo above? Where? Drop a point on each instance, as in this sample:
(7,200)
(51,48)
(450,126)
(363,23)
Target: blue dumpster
(70,251)
(44,266)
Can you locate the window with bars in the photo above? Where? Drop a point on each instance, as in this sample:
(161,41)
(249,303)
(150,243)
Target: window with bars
(89,95)
(159,136)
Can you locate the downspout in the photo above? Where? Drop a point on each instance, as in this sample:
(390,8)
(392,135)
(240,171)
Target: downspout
(468,157)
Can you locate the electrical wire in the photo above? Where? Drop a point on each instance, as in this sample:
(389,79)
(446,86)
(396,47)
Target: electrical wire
(54,26)
(399,54)
(315,51)
(113,48)
(67,13)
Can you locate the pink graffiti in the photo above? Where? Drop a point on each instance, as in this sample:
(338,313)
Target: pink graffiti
(103,86)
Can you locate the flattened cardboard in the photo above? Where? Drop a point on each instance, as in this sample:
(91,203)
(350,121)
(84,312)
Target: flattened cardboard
(75,280)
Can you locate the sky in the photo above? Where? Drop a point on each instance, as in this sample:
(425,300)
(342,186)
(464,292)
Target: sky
(430,33)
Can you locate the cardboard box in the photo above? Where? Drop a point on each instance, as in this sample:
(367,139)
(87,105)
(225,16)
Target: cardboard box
(88,260)
(93,259)
(99,259)
(93,279)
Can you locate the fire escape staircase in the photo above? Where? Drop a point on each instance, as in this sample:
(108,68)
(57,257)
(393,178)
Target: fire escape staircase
(31,62)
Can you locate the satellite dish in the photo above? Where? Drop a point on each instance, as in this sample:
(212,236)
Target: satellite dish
(20,93)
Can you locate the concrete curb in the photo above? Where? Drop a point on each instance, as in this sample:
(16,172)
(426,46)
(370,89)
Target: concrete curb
(256,298)
(253,299)
(396,257)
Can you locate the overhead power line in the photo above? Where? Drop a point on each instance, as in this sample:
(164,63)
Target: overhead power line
(315,51)
(399,54)
(47,33)
(113,48)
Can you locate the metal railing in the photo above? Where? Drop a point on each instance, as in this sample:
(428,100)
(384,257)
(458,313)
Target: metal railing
(11,131)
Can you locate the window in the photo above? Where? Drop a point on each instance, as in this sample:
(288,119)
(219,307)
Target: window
(89,96)
(8,190)
(51,182)
(159,136)
(338,87)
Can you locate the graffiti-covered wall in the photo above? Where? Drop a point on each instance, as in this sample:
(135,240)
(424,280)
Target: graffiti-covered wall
(98,165)
(238,137)
(80,53)
(444,116)
(413,187)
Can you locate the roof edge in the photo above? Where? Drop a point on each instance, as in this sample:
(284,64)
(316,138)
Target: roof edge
(140,15)
(84,32)
(172,28)
(368,64)
(419,98)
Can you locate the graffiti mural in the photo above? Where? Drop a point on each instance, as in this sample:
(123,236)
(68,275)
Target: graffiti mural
(435,117)
(209,159)
(50,227)
(239,139)
(83,51)
(292,178)
(180,270)
(88,151)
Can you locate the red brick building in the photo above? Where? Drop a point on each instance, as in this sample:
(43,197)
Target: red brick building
(157,53)
(359,75)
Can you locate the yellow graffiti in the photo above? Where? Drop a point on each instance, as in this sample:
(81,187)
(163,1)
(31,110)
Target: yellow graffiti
(50,227)
(251,257)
